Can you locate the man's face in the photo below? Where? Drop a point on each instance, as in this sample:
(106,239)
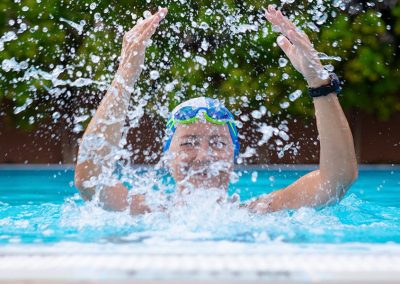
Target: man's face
(201,155)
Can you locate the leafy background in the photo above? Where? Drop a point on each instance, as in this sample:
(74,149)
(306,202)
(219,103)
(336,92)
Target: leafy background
(58,57)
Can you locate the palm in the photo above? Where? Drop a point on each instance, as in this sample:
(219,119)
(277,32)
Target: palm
(134,47)
(297,47)
(306,62)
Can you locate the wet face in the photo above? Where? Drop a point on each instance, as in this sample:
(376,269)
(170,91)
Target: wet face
(201,155)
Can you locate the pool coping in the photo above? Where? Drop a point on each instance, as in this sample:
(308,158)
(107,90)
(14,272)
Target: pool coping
(82,266)
(273,263)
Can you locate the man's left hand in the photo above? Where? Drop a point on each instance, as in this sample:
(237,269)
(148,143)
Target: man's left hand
(298,48)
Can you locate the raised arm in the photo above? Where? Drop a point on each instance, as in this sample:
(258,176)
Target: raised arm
(101,143)
(338,164)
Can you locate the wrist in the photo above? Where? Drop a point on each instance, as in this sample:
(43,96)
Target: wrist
(125,77)
(324,87)
(318,83)
(122,85)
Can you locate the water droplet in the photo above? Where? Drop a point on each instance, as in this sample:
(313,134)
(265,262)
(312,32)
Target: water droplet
(313,27)
(276,29)
(282,62)
(95,58)
(283,135)
(201,60)
(329,67)
(323,56)
(205,44)
(204,26)
(56,115)
(154,74)
(170,86)
(256,114)
(78,27)
(254,176)
(284,105)
(322,19)
(323,74)
(295,95)
(336,3)
(146,14)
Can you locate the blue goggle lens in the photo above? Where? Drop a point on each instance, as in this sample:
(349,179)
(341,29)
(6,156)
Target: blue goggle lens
(215,113)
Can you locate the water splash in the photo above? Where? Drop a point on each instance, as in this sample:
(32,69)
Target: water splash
(191,55)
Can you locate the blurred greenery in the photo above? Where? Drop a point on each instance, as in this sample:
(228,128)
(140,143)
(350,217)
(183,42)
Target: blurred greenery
(222,49)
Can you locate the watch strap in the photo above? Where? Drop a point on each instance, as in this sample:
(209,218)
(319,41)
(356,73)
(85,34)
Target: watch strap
(332,87)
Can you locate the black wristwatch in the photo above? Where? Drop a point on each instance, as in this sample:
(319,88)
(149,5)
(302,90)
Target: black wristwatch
(333,87)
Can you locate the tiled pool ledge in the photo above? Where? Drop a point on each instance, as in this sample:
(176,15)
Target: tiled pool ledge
(295,167)
(262,265)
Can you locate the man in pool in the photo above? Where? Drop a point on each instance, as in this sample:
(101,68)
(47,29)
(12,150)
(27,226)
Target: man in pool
(201,139)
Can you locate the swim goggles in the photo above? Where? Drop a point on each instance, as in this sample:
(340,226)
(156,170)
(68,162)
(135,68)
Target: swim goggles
(219,115)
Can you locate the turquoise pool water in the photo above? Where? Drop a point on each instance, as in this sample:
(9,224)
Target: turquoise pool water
(41,205)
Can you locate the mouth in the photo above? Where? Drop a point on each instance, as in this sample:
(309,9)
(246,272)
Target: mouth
(203,173)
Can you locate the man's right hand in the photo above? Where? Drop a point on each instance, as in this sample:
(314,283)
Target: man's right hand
(134,47)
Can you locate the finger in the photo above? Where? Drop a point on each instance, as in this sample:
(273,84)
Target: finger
(288,25)
(305,37)
(271,9)
(273,13)
(271,16)
(147,33)
(277,19)
(140,24)
(160,15)
(297,39)
(285,45)
(162,12)
(143,24)
(285,21)
(276,27)
(285,24)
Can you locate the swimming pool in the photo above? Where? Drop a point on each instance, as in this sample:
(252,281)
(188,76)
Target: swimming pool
(43,220)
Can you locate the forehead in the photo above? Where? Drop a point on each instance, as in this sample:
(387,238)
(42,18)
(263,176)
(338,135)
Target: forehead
(202,129)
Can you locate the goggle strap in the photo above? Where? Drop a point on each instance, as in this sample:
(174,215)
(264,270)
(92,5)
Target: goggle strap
(171,123)
(187,121)
(233,129)
(212,120)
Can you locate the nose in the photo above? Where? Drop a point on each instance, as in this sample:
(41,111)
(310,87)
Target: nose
(204,153)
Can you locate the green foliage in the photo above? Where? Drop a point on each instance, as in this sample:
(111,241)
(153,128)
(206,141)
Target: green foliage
(241,66)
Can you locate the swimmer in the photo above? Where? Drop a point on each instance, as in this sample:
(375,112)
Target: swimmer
(201,139)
